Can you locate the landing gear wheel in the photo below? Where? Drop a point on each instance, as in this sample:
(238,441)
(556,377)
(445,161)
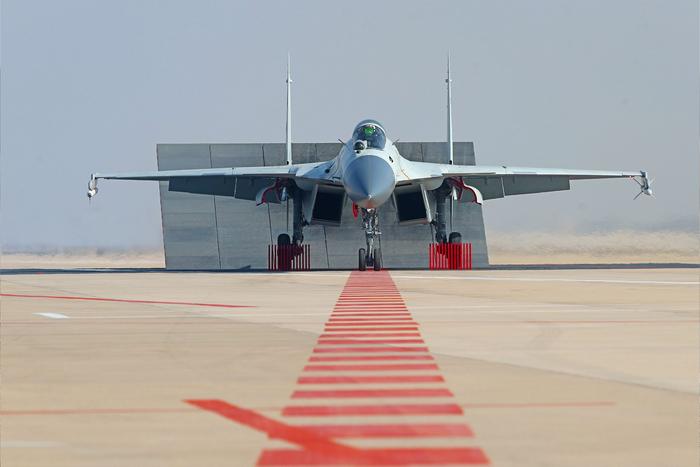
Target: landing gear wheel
(377,259)
(454,250)
(284,252)
(362,260)
(283,239)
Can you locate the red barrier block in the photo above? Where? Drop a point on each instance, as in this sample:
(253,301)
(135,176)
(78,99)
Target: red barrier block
(450,256)
(288,257)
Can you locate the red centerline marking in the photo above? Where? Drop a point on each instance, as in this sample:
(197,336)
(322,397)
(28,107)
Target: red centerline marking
(124,300)
(385,456)
(364,320)
(96,411)
(344,314)
(385,349)
(370,304)
(371,329)
(312,380)
(384,409)
(370,323)
(364,334)
(351,358)
(350,393)
(370,379)
(394,367)
(368,341)
(359,334)
(308,439)
(394,430)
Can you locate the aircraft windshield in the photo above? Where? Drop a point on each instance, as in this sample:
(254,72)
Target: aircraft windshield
(373,134)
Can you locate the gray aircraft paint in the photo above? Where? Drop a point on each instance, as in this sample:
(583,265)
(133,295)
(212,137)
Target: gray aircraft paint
(221,232)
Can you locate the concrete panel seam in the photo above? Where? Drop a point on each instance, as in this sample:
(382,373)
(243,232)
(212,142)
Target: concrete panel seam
(216,217)
(269,216)
(325,242)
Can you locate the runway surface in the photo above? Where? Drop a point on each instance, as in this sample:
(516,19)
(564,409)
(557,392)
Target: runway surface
(503,368)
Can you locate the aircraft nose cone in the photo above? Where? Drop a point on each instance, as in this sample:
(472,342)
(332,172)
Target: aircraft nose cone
(369,181)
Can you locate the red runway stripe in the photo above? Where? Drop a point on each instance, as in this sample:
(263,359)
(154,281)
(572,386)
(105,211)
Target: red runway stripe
(365,320)
(370,379)
(369,301)
(124,300)
(343,314)
(371,329)
(370,323)
(391,367)
(381,297)
(362,393)
(385,456)
(385,409)
(415,430)
(370,312)
(351,358)
(369,334)
(310,440)
(386,349)
(368,341)
(370,305)
(378,298)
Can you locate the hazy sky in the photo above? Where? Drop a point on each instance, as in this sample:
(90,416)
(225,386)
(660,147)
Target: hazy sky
(94,85)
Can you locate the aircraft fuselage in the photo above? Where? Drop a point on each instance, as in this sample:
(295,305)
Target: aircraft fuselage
(369,168)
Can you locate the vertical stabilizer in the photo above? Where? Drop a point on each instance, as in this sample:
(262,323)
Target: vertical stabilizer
(288,138)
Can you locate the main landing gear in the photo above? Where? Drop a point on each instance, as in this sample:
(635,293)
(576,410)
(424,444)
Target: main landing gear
(286,252)
(442,194)
(371,256)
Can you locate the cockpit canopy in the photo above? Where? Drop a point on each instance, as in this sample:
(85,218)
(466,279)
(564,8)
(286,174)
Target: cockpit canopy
(372,132)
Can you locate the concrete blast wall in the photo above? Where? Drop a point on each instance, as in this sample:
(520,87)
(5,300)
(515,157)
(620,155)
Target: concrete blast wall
(221,232)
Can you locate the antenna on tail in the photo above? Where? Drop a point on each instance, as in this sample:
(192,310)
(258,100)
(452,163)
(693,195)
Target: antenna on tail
(289,110)
(450,143)
(450,149)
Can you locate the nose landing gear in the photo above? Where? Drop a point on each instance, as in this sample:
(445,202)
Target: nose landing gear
(372,255)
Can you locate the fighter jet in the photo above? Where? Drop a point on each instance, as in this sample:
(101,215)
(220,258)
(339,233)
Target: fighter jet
(370,171)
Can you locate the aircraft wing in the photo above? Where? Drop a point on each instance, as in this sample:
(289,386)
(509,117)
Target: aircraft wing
(249,183)
(499,181)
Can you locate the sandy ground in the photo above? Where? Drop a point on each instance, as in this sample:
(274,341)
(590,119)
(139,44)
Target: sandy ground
(521,248)
(524,248)
(551,368)
(82,259)
(602,247)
